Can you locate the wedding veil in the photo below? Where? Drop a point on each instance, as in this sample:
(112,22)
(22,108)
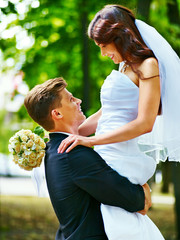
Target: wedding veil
(164,141)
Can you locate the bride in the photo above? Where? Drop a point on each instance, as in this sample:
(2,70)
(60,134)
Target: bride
(138,121)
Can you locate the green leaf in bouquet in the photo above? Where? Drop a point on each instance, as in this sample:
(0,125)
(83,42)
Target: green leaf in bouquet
(46,139)
(39,131)
(19,138)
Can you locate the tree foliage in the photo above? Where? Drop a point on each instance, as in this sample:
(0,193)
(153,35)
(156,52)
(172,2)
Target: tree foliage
(59,46)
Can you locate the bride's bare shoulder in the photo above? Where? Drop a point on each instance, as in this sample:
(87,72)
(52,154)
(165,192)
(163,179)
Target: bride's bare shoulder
(149,67)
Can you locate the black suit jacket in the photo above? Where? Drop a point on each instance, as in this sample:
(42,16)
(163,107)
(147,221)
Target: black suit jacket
(78,182)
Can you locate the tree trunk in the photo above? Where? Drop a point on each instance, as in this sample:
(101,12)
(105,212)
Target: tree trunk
(166,176)
(85,67)
(173,11)
(176,181)
(174,17)
(143,8)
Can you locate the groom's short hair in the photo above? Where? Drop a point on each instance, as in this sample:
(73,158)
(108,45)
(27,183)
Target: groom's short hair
(42,99)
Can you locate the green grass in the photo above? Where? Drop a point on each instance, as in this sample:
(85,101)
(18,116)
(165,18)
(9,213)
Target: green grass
(27,218)
(32,218)
(164,218)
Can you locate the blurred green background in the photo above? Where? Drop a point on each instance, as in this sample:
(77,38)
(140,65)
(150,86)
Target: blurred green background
(43,39)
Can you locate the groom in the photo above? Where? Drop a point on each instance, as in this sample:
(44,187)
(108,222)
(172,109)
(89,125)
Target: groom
(80,180)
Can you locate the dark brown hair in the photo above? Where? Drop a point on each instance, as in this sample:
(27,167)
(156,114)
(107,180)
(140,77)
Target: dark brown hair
(42,99)
(115,23)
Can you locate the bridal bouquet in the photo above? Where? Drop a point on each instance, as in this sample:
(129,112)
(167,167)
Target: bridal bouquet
(28,147)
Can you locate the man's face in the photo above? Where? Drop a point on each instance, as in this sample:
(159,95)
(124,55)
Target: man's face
(71,109)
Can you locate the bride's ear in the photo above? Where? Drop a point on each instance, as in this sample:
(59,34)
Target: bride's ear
(56,115)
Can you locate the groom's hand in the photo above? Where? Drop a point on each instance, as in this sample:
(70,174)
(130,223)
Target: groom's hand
(148,202)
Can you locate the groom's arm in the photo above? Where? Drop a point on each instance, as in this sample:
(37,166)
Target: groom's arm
(91,173)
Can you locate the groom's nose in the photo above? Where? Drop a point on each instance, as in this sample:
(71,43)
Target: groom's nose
(79,101)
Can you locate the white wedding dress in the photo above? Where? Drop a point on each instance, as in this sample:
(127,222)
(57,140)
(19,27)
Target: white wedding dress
(119,99)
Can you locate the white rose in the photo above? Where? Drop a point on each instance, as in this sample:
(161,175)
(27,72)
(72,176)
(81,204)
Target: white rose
(32,162)
(24,155)
(37,139)
(17,148)
(32,136)
(20,161)
(23,146)
(24,138)
(42,144)
(34,147)
(37,148)
(39,160)
(33,155)
(41,154)
(29,144)
(27,152)
(27,168)
(27,132)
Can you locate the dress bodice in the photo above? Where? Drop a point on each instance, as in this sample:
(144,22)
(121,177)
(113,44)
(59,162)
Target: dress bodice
(119,100)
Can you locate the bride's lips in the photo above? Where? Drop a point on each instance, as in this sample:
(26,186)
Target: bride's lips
(112,56)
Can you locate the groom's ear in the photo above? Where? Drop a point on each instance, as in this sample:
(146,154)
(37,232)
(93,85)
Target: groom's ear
(56,115)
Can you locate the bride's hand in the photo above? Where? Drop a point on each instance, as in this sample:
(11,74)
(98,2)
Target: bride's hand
(73,141)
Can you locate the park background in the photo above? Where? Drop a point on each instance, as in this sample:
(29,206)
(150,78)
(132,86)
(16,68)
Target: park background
(43,39)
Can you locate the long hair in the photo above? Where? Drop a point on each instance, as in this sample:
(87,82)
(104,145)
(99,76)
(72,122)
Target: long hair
(115,23)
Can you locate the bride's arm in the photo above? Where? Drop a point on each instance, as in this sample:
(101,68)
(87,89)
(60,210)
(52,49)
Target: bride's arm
(89,126)
(149,101)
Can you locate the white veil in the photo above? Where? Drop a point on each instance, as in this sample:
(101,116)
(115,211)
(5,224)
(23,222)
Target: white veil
(164,140)
(39,180)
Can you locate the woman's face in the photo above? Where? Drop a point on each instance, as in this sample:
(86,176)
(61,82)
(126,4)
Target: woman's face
(110,51)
